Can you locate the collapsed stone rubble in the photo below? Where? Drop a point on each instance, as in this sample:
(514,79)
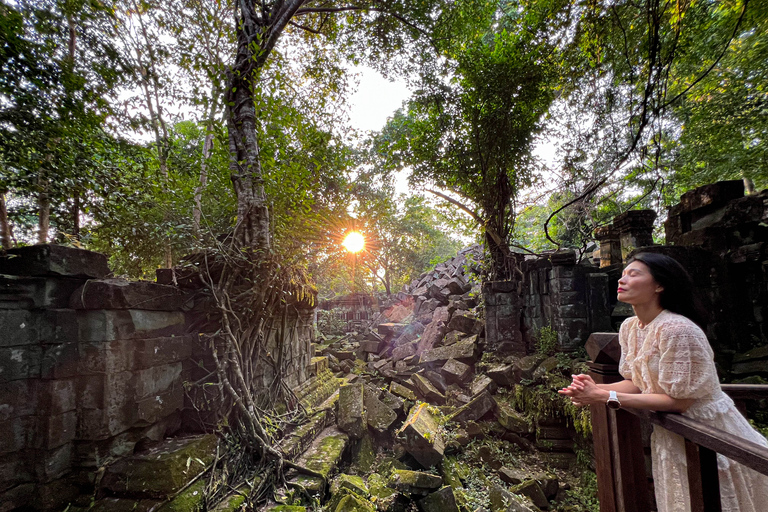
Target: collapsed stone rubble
(414,394)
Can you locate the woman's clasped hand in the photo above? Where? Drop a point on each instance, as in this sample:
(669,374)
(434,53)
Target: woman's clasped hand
(583,391)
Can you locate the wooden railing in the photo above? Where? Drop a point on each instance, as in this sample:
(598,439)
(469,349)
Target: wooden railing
(620,462)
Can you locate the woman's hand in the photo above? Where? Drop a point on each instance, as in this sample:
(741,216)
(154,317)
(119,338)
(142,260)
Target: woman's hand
(583,391)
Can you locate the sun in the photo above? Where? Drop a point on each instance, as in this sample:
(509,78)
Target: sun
(354,242)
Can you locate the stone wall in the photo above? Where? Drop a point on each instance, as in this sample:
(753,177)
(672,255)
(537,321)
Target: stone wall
(92,369)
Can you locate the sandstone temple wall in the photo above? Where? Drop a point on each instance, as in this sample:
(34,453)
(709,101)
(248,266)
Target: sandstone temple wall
(93,369)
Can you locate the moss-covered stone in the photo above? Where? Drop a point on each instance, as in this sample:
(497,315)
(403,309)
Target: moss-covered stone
(189,500)
(351,417)
(323,457)
(162,470)
(363,455)
(441,500)
(234,502)
(352,482)
(352,503)
(512,420)
(454,474)
(532,489)
(416,482)
(288,508)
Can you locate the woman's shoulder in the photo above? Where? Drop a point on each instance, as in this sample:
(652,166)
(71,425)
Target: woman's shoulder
(675,323)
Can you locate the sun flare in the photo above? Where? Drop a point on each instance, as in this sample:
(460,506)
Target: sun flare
(354,242)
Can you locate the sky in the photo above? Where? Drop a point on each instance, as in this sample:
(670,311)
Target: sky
(376,99)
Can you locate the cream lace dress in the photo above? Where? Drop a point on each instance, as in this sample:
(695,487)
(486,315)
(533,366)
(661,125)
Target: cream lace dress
(671,355)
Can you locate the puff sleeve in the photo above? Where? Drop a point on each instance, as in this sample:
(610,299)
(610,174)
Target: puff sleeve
(686,366)
(627,354)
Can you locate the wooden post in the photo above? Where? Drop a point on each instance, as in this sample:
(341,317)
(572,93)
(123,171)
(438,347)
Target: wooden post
(703,480)
(622,485)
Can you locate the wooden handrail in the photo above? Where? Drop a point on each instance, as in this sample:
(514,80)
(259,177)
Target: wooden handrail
(735,448)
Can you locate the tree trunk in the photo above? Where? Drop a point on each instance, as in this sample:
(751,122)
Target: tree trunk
(6,234)
(44,212)
(197,208)
(76,216)
(245,168)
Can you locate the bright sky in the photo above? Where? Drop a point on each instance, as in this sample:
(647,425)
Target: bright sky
(376,99)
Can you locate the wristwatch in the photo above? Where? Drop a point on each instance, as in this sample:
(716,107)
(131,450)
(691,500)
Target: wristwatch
(613,401)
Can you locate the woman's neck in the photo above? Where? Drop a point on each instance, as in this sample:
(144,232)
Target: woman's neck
(647,312)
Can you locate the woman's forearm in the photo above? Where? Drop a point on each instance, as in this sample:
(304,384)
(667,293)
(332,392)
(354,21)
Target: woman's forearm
(624,386)
(653,402)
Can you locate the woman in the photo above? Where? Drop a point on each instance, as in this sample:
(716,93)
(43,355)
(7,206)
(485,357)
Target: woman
(668,366)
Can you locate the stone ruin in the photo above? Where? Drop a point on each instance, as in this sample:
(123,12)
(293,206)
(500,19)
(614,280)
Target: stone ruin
(93,370)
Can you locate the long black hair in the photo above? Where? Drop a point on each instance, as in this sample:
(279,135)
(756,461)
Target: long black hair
(677,295)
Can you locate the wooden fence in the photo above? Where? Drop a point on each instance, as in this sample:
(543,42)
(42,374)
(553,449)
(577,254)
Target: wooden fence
(622,478)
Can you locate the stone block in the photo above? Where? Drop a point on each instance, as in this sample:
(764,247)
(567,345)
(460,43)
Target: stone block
(466,323)
(475,409)
(106,405)
(433,333)
(503,374)
(17,398)
(22,362)
(427,390)
(437,380)
(96,454)
(36,292)
(351,417)
(106,325)
(462,351)
(164,350)
(159,405)
(162,470)
(53,464)
(512,420)
(18,327)
(512,476)
(414,482)
(525,366)
(17,434)
(456,372)
(392,401)
(60,361)
(481,384)
(502,500)
(370,346)
(391,329)
(399,390)
(55,396)
(16,498)
(404,351)
(441,314)
(46,260)
(15,469)
(442,500)
(156,380)
(453,337)
(378,415)
(572,311)
(533,490)
(55,430)
(422,437)
(123,294)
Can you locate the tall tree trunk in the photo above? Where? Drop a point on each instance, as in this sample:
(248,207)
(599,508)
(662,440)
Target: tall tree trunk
(197,208)
(44,209)
(6,233)
(244,163)
(76,216)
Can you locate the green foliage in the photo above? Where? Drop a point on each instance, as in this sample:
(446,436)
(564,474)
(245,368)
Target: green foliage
(546,341)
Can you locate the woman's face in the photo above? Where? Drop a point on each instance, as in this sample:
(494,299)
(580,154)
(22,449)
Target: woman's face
(637,286)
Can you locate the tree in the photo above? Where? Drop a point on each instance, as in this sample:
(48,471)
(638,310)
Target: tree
(469,129)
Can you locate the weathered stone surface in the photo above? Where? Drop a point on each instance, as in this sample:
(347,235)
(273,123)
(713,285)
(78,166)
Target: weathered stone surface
(432,335)
(504,501)
(162,470)
(532,489)
(391,329)
(512,420)
(379,416)
(466,323)
(437,380)
(546,366)
(392,401)
(104,325)
(364,455)
(456,372)
(369,346)
(481,384)
(439,290)
(22,362)
(512,476)
(398,389)
(427,390)
(351,503)
(123,294)
(353,483)
(441,500)
(403,351)
(17,292)
(414,482)
(525,366)
(351,417)
(475,409)
(323,456)
(422,437)
(46,259)
(452,337)
(462,351)
(502,374)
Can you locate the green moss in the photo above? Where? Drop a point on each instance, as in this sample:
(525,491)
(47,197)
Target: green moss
(190,500)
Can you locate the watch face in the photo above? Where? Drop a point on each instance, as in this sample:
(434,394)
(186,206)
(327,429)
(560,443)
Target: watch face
(613,404)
